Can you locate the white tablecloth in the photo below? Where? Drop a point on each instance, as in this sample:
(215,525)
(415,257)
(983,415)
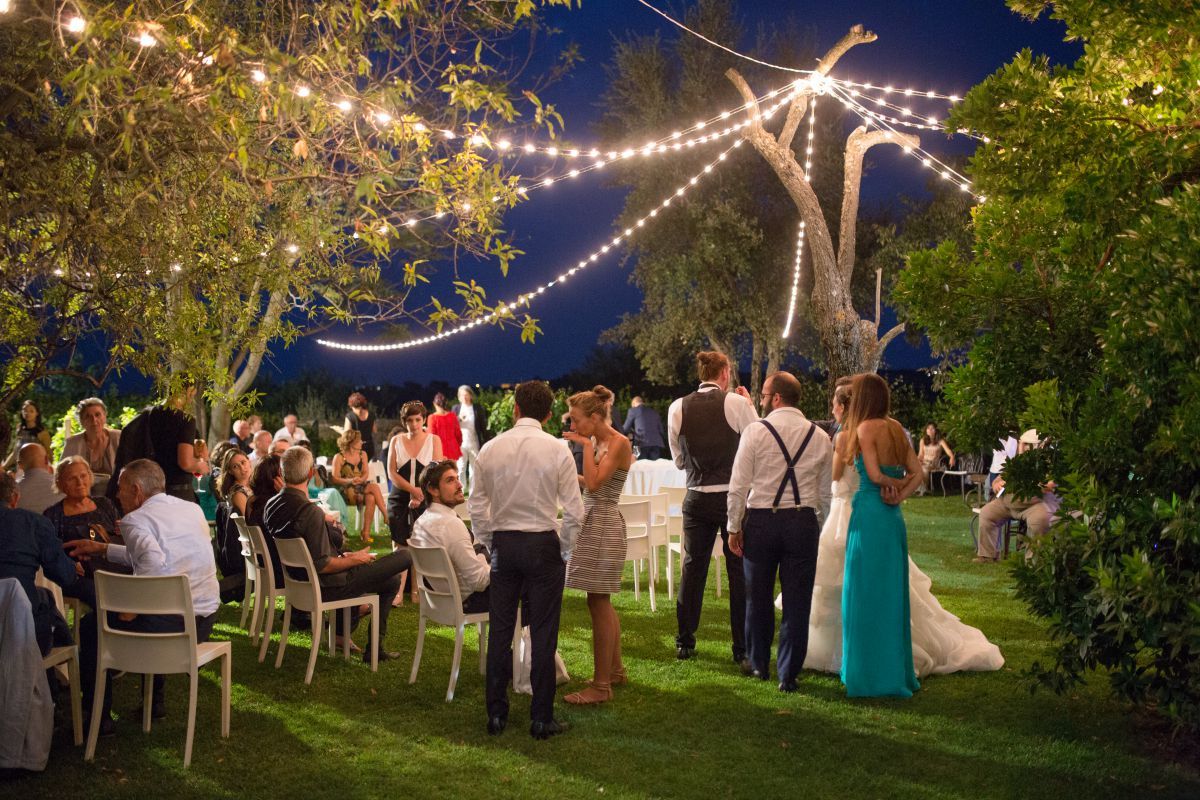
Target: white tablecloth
(647,477)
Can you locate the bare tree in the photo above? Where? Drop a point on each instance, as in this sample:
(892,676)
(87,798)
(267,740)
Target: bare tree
(851,344)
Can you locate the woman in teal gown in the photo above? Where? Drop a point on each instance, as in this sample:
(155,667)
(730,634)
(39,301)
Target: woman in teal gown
(877,658)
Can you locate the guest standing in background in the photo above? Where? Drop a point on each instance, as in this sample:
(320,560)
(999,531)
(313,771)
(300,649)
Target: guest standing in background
(644,426)
(408,455)
(599,556)
(362,420)
(443,423)
(877,656)
(472,421)
(96,443)
(170,433)
(30,430)
(525,476)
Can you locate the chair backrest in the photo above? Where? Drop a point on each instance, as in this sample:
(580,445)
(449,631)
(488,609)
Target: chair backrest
(659,505)
(377,472)
(41,581)
(262,554)
(675,496)
(155,653)
(303,593)
(635,513)
(441,598)
(249,555)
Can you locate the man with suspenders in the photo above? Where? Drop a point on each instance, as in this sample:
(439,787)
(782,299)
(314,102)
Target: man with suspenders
(779,494)
(703,430)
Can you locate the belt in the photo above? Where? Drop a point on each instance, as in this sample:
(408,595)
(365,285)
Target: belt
(792,510)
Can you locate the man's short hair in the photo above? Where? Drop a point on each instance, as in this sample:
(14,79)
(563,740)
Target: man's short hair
(535,399)
(710,364)
(296,463)
(27,456)
(786,386)
(8,488)
(145,474)
(433,474)
(260,434)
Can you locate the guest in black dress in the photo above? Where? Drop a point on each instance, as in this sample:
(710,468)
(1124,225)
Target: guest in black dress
(80,516)
(362,420)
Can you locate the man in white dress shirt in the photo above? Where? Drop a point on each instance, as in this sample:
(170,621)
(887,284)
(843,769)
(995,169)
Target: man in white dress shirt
(779,494)
(291,431)
(524,476)
(703,430)
(439,526)
(163,535)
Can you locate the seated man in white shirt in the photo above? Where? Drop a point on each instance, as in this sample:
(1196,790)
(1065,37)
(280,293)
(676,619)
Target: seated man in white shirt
(439,526)
(163,535)
(291,431)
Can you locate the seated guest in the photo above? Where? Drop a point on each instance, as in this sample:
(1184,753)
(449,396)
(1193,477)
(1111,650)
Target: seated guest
(37,483)
(163,535)
(266,481)
(351,474)
(262,447)
(439,526)
(27,542)
(97,443)
(280,446)
(1035,512)
(80,515)
(644,427)
(233,492)
(290,514)
(291,430)
(255,422)
(233,487)
(243,437)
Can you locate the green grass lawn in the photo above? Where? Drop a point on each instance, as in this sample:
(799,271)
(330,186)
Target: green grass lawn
(681,729)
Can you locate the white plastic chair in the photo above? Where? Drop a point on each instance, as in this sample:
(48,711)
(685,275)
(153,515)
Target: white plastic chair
(637,517)
(441,602)
(250,598)
(65,658)
(153,653)
(660,535)
(265,593)
(675,497)
(305,594)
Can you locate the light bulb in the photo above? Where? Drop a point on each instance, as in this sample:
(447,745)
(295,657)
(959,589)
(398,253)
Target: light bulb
(303,91)
(258,76)
(76,24)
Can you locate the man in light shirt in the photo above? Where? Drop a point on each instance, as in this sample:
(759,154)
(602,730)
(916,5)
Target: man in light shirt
(163,535)
(262,447)
(779,493)
(703,430)
(291,431)
(36,485)
(439,526)
(524,476)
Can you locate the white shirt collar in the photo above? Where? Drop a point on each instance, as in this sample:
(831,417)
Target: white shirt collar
(788,410)
(528,422)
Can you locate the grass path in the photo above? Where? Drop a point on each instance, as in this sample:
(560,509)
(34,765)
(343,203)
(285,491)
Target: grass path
(681,729)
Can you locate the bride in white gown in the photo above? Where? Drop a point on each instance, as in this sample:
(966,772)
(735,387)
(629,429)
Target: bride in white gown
(941,642)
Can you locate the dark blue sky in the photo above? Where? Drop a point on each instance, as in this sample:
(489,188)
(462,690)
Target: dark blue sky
(948,45)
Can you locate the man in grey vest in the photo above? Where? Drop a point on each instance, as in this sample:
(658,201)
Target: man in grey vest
(779,493)
(703,430)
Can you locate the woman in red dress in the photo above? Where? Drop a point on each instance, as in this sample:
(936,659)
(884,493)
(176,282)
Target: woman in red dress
(444,423)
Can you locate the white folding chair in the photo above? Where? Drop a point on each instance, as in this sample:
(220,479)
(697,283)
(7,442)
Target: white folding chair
(65,658)
(265,592)
(441,602)
(305,594)
(153,653)
(660,536)
(250,598)
(637,517)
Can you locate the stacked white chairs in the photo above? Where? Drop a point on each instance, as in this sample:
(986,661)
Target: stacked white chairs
(153,653)
(660,533)
(441,602)
(266,594)
(638,519)
(305,594)
(65,658)
(251,597)
(675,497)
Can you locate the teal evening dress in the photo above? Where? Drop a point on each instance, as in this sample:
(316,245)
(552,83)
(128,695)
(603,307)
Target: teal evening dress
(877,656)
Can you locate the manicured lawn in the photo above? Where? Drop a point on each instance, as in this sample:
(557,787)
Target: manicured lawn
(691,729)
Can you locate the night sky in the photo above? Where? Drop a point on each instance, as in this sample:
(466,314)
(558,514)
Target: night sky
(948,45)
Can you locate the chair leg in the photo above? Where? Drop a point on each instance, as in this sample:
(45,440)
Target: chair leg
(194,681)
(147,700)
(637,589)
(283,634)
(268,623)
(375,634)
(458,644)
(653,575)
(412,677)
(345,632)
(670,571)
(226,691)
(247,597)
(76,699)
(89,752)
(718,571)
(482,628)
(318,626)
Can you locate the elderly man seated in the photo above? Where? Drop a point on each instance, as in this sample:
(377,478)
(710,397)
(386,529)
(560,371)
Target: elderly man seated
(163,535)
(1035,512)
(27,543)
(242,436)
(36,485)
(439,526)
(291,515)
(262,447)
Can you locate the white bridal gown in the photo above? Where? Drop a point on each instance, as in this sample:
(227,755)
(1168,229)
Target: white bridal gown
(941,642)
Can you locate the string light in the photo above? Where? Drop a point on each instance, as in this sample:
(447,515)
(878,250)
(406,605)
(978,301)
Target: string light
(5,6)
(928,94)
(791,312)
(145,39)
(76,24)
(811,143)
(504,309)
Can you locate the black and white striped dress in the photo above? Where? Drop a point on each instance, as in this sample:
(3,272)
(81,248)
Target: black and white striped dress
(599,556)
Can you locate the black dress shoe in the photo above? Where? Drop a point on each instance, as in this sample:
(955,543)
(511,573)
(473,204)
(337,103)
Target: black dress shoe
(746,667)
(384,655)
(158,710)
(107,726)
(684,653)
(496,725)
(544,730)
(788,686)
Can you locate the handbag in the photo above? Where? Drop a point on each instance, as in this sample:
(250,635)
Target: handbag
(521,680)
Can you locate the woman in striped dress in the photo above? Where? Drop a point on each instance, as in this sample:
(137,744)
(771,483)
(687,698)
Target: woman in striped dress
(599,556)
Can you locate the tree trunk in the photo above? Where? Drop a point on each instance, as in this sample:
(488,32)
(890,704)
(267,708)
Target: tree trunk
(850,343)
(756,362)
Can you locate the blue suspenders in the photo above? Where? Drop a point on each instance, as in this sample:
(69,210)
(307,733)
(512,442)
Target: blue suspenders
(789,476)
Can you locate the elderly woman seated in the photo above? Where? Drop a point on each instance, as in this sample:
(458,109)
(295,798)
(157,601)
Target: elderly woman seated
(80,515)
(350,474)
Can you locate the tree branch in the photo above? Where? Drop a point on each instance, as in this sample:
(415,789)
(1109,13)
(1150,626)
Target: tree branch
(860,141)
(887,338)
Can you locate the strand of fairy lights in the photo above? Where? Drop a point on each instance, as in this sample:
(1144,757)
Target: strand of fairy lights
(523,300)
(905,92)
(907,115)
(808,154)
(927,159)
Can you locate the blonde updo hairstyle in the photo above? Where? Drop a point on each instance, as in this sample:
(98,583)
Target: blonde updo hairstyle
(592,403)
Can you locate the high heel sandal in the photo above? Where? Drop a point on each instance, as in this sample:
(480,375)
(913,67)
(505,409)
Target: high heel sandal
(593,695)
